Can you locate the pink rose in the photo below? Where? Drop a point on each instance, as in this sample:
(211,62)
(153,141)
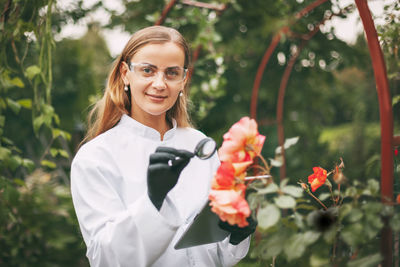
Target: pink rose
(230,206)
(242,142)
(224,177)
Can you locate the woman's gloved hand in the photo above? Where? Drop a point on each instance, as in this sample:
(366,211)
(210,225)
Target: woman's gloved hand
(165,166)
(238,234)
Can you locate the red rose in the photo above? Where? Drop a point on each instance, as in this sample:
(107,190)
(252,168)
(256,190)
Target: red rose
(318,178)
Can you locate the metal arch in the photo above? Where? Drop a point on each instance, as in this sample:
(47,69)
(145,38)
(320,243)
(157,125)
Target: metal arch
(388,141)
(386,118)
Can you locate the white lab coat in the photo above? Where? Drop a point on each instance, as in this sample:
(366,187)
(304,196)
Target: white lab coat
(119,224)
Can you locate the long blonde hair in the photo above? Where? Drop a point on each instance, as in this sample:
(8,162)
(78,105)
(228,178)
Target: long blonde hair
(115,102)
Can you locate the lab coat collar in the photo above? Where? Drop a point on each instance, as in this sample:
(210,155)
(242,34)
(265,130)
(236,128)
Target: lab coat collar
(145,131)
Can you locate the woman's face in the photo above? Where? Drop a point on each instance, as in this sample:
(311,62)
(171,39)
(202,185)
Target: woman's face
(152,79)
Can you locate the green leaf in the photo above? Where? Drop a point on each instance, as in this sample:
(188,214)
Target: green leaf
(58,132)
(355,215)
(371,260)
(32,71)
(10,194)
(49,164)
(344,210)
(310,237)
(7,141)
(271,188)
(14,106)
(324,196)
(274,245)
(294,247)
(19,182)
(63,153)
(298,220)
(284,182)
(17,82)
(2,120)
(29,164)
(277,162)
(268,216)
(292,190)
(4,153)
(254,200)
(395,100)
(37,123)
(395,222)
(373,186)
(291,142)
(3,104)
(353,234)
(350,192)
(56,119)
(316,261)
(14,162)
(26,103)
(285,202)
(53,152)
(305,207)
(288,143)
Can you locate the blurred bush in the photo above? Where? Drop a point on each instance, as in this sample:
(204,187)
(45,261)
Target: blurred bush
(38,223)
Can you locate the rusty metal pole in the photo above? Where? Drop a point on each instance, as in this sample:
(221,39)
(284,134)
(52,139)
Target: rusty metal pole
(282,91)
(260,72)
(270,50)
(386,118)
(165,12)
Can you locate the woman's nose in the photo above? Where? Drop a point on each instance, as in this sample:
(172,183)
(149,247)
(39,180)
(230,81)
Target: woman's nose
(159,81)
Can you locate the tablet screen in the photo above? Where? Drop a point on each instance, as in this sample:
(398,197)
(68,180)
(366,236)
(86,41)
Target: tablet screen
(203,229)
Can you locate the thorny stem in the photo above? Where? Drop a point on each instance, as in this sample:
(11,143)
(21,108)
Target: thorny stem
(264,170)
(319,201)
(338,197)
(332,196)
(264,162)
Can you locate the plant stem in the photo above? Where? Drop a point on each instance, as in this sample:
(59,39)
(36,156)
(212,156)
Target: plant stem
(332,196)
(264,162)
(338,197)
(319,201)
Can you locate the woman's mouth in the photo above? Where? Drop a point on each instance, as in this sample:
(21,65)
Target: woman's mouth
(156,97)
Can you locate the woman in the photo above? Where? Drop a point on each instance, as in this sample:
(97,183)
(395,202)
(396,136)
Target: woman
(133,188)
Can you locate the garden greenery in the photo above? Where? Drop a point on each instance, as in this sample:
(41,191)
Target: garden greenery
(37,223)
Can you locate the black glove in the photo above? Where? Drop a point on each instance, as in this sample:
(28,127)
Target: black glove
(238,234)
(163,172)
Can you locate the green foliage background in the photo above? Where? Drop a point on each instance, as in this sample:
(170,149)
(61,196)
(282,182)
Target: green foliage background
(47,85)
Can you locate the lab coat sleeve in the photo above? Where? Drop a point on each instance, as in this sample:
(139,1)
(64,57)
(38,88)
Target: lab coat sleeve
(116,234)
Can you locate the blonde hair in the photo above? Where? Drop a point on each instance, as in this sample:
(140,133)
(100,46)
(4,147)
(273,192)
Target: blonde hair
(115,102)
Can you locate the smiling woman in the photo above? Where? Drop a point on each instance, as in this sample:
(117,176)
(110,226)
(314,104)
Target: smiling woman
(136,185)
(152,94)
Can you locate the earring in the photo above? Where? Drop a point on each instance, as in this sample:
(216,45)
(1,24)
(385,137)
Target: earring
(181,93)
(126,88)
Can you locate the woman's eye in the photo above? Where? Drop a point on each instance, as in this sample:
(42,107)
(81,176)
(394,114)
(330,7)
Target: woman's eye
(172,72)
(147,70)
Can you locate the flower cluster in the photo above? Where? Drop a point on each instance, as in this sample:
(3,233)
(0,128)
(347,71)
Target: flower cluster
(242,143)
(319,178)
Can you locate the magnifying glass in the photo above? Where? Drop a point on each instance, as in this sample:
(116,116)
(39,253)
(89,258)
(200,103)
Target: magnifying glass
(203,150)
